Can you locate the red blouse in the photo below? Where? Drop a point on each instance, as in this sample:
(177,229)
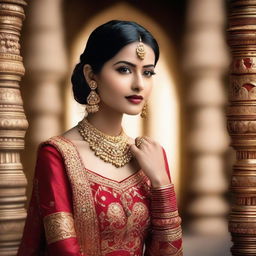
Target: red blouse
(123,214)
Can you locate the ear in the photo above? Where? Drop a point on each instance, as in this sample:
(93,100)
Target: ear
(88,73)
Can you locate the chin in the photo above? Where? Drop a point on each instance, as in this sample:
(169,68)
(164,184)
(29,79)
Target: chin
(132,113)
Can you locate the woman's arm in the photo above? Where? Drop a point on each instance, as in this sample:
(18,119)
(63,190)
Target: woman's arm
(165,237)
(166,234)
(52,197)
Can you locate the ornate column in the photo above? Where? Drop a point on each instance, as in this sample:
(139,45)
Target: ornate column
(242,125)
(13,125)
(46,65)
(205,63)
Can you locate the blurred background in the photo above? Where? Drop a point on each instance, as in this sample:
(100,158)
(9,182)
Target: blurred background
(186,109)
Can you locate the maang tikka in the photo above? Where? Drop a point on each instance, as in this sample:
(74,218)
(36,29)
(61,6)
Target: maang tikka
(93,98)
(140,50)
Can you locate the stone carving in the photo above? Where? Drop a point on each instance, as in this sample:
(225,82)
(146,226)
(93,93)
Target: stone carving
(243,65)
(243,87)
(242,125)
(241,110)
(13,125)
(9,44)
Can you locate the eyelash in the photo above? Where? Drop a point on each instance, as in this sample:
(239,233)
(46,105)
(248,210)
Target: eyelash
(123,70)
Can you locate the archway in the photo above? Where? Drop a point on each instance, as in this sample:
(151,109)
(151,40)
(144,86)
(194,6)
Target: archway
(164,109)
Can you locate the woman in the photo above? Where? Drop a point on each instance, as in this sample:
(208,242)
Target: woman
(96,190)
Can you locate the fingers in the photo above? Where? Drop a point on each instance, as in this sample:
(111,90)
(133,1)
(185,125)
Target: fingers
(139,141)
(143,142)
(140,144)
(134,149)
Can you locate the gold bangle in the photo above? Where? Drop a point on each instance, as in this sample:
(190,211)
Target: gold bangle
(162,187)
(164,214)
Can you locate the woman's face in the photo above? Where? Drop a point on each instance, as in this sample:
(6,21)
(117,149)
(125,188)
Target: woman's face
(125,81)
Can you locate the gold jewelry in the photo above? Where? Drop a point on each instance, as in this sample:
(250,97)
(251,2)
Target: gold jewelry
(111,149)
(140,50)
(93,99)
(139,141)
(143,113)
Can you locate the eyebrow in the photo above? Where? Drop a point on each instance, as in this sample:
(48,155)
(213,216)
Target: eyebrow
(133,65)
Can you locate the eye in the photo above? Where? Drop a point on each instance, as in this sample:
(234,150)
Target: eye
(149,73)
(124,70)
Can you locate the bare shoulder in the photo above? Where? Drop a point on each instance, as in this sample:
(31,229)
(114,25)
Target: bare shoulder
(72,134)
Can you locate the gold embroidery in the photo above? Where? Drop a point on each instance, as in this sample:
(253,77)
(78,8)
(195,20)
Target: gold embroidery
(124,233)
(167,222)
(128,188)
(155,248)
(116,215)
(85,218)
(167,235)
(133,180)
(126,194)
(59,226)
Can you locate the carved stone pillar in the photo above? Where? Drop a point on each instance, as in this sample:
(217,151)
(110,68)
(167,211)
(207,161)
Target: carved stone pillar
(13,125)
(205,63)
(242,125)
(46,65)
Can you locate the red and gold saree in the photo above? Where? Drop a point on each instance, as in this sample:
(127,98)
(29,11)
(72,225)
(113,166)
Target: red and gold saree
(75,211)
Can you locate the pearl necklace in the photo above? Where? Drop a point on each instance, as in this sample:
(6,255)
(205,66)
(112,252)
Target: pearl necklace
(111,149)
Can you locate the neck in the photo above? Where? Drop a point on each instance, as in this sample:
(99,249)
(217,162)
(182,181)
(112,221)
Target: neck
(106,121)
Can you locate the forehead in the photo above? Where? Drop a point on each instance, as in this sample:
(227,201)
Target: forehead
(128,53)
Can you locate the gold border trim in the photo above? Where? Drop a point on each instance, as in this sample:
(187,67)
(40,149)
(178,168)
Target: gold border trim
(85,218)
(59,226)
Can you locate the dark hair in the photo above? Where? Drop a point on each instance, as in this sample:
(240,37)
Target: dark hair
(103,44)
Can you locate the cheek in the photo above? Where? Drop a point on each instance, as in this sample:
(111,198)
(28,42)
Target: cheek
(113,85)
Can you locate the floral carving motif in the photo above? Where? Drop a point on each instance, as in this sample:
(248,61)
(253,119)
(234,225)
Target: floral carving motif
(9,44)
(10,95)
(243,65)
(242,126)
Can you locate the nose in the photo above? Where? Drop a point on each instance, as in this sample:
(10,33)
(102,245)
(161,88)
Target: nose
(138,83)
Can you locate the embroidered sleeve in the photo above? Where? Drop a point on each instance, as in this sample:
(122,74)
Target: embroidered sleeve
(166,234)
(55,203)
(50,210)
(59,226)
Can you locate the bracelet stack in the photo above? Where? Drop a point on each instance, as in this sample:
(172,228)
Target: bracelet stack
(164,214)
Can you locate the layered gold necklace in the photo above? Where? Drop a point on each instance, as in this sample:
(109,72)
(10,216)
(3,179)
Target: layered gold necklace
(111,149)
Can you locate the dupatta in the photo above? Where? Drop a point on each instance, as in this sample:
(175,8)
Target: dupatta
(85,218)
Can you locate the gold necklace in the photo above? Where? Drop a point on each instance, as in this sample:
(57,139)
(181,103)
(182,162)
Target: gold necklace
(111,149)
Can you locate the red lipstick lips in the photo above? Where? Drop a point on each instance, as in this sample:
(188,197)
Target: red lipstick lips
(136,99)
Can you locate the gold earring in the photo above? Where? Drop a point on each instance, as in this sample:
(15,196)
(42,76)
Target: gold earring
(143,113)
(93,99)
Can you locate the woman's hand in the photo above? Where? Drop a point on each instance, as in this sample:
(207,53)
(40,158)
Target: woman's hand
(149,155)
